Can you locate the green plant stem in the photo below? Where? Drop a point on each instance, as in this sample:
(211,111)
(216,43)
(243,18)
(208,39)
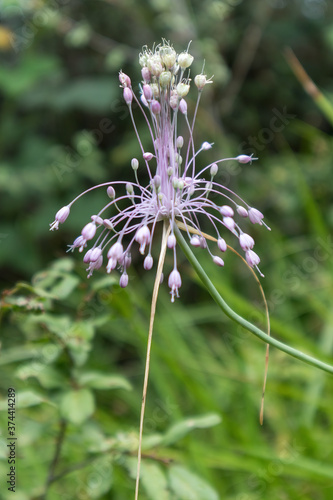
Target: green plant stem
(239,319)
(54,463)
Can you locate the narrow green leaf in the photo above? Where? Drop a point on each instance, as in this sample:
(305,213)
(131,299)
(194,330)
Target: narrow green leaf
(152,478)
(24,399)
(154,481)
(99,380)
(47,376)
(188,486)
(180,429)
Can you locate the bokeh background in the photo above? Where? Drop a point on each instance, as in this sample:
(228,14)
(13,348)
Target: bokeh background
(74,349)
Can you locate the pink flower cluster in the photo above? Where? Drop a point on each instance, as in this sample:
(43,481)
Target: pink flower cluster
(175,192)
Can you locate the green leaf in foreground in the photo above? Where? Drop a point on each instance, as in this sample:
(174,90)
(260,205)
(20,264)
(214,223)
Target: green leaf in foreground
(100,380)
(180,429)
(77,406)
(188,486)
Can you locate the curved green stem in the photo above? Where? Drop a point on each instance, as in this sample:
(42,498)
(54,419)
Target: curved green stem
(239,319)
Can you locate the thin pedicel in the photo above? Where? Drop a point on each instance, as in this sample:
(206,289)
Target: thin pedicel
(176,192)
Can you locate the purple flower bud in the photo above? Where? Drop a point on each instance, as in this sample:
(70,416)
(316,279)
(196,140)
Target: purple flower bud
(78,242)
(174,101)
(229,223)
(157,181)
(183,106)
(226,211)
(146,74)
(86,257)
(89,231)
(255,216)
(252,258)
(95,254)
(221,243)
(242,211)
(218,261)
(148,263)
(206,145)
(62,214)
(144,100)
(171,241)
(108,224)
(195,241)
(125,260)
(245,158)
(94,265)
(128,95)
(155,107)
(124,79)
(147,156)
(246,241)
(142,236)
(123,282)
(60,217)
(114,255)
(116,251)
(98,262)
(97,219)
(111,192)
(174,282)
(203,242)
(147,92)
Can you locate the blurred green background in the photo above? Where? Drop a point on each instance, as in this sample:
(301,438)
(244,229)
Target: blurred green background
(74,349)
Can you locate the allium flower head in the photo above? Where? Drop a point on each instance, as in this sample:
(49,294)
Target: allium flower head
(177,192)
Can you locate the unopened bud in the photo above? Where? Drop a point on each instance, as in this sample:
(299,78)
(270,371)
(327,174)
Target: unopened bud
(146,74)
(147,92)
(147,156)
(214,169)
(218,261)
(245,158)
(123,281)
(242,211)
(206,145)
(155,107)
(157,181)
(128,96)
(171,241)
(179,142)
(111,192)
(129,188)
(183,106)
(134,164)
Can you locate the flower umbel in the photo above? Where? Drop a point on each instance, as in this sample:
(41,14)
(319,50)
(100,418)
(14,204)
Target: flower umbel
(176,192)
